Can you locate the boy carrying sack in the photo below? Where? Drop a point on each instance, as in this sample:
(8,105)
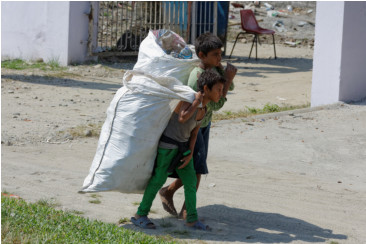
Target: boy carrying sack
(182,128)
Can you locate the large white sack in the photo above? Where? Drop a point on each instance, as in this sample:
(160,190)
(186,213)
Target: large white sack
(153,60)
(136,118)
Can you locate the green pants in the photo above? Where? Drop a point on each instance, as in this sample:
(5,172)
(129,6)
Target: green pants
(187,175)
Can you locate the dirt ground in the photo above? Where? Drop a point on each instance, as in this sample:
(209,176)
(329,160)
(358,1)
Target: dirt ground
(292,177)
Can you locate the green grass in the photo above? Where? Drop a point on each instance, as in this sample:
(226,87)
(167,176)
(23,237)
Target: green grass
(19,64)
(251,111)
(95,195)
(123,220)
(95,201)
(23,222)
(48,203)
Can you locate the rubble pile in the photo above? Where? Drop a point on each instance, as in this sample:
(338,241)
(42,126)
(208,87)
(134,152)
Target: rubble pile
(293,22)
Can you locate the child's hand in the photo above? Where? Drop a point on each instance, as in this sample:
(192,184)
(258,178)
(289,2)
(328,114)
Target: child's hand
(199,96)
(185,160)
(220,66)
(230,72)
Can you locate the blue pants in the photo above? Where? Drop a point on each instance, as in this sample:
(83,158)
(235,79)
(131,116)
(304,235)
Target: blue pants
(201,150)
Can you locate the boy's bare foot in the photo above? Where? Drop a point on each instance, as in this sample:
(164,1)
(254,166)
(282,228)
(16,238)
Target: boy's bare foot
(183,214)
(167,201)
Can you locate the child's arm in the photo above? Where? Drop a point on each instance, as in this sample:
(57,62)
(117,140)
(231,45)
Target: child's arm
(192,142)
(185,110)
(230,73)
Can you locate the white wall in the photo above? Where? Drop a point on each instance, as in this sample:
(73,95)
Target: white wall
(31,30)
(327,53)
(53,31)
(78,32)
(339,64)
(353,64)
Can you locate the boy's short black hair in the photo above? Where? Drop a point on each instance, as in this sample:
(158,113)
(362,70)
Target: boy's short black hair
(209,77)
(207,42)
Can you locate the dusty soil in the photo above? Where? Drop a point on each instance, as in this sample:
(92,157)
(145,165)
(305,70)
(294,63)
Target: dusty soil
(37,105)
(294,177)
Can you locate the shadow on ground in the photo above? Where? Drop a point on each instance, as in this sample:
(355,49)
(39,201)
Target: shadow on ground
(270,66)
(63,82)
(240,225)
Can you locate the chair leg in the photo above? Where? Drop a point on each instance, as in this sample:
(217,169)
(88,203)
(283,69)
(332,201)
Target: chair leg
(256,47)
(274,46)
(235,43)
(254,39)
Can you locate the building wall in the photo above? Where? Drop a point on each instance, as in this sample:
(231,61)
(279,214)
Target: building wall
(353,63)
(339,64)
(32,30)
(327,54)
(53,31)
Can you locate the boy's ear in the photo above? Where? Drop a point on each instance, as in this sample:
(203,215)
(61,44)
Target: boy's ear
(205,89)
(201,54)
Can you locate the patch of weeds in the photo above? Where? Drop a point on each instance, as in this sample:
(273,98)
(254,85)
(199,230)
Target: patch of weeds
(80,131)
(20,64)
(271,108)
(95,201)
(136,203)
(53,64)
(153,211)
(95,198)
(123,220)
(62,74)
(232,115)
(168,238)
(334,242)
(166,224)
(77,212)
(94,195)
(250,111)
(48,203)
(228,112)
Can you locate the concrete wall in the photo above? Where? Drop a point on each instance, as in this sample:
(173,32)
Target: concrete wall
(339,66)
(31,30)
(353,63)
(53,31)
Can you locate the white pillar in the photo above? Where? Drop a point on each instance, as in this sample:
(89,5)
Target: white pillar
(79,39)
(339,66)
(353,63)
(53,31)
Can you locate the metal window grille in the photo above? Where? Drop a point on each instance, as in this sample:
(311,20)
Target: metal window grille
(123,25)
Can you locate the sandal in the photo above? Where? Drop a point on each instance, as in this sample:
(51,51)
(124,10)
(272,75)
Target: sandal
(200,226)
(143,222)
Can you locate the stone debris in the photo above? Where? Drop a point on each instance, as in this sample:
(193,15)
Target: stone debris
(292,23)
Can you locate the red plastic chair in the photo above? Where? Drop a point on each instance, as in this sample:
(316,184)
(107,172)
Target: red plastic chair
(250,26)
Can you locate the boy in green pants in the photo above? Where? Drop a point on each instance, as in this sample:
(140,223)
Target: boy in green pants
(179,138)
(208,48)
